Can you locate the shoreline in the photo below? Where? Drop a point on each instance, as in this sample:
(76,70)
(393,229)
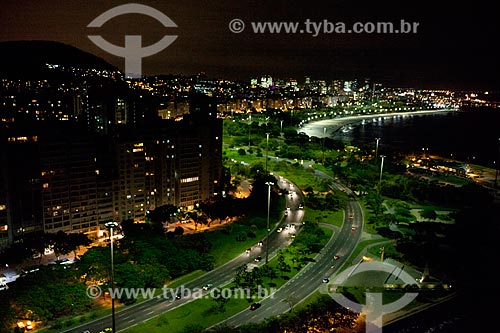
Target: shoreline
(315,128)
(486,174)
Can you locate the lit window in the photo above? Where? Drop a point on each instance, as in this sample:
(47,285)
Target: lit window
(189,180)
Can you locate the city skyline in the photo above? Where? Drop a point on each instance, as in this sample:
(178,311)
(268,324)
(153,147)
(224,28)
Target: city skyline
(452,48)
(355,146)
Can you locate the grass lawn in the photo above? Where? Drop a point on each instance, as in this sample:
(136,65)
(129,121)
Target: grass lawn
(189,315)
(225,246)
(201,311)
(65,323)
(452,179)
(184,279)
(232,153)
(368,227)
(360,248)
(315,296)
(324,216)
(297,174)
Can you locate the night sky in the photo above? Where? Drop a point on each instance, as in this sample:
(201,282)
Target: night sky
(453,47)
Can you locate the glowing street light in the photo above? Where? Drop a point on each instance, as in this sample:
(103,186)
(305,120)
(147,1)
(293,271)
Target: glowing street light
(111,226)
(269,184)
(376,150)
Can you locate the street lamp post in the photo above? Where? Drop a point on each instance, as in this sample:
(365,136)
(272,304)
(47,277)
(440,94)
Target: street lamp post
(376,150)
(281,126)
(269,184)
(381,167)
(267,148)
(111,226)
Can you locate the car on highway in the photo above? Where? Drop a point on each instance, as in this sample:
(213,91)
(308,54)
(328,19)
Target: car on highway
(248,250)
(261,243)
(258,258)
(207,286)
(326,280)
(255,306)
(354,228)
(351,216)
(279,229)
(301,206)
(106,330)
(336,257)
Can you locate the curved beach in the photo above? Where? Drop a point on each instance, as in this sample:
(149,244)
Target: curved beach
(316,128)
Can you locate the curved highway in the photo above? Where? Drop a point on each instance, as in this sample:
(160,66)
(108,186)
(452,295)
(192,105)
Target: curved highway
(218,277)
(309,279)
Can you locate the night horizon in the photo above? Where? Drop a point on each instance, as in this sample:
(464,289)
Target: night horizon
(215,167)
(451,49)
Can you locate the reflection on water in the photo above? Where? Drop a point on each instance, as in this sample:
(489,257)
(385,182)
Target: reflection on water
(468,136)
